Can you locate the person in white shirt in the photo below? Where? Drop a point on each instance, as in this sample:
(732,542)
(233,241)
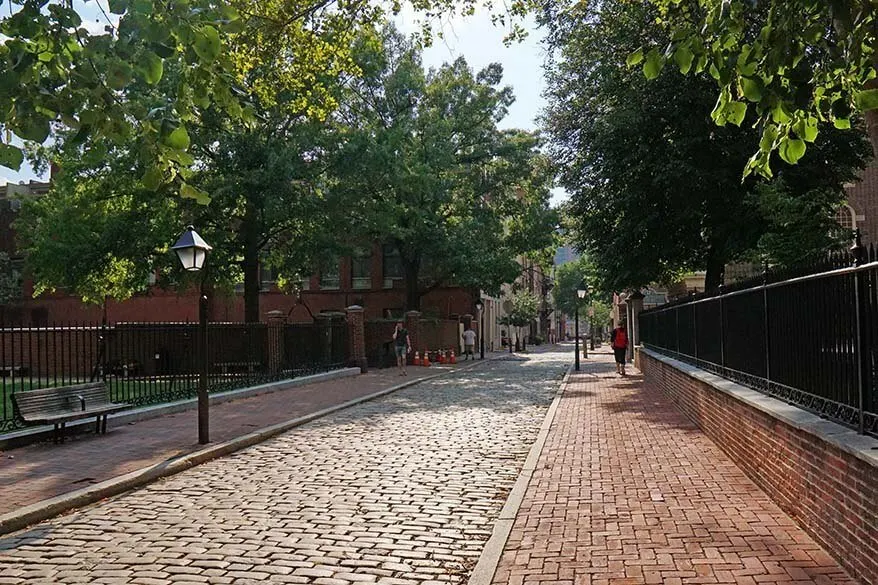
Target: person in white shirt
(469,342)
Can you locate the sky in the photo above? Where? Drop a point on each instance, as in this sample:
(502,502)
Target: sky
(481,43)
(475,38)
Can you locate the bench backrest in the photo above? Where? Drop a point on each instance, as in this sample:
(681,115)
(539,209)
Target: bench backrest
(61,399)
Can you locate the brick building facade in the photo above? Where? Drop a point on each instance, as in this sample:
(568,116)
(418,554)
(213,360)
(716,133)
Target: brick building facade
(861,209)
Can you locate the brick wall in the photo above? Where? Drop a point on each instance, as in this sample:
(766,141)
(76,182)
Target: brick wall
(828,490)
(863,198)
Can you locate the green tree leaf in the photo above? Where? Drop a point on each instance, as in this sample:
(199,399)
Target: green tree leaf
(178,139)
(187,191)
(769,135)
(207,43)
(152,67)
(11,156)
(118,6)
(735,112)
(118,75)
(653,64)
(634,58)
(752,89)
(791,150)
(867,99)
(808,129)
(683,56)
(153,178)
(33,127)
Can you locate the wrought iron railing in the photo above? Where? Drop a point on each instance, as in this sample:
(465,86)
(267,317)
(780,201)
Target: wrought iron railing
(810,340)
(152,363)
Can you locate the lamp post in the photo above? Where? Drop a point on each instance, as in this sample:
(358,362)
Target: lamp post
(479,307)
(591,327)
(580,294)
(192,251)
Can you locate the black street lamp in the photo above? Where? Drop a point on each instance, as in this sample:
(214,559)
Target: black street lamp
(480,308)
(581,290)
(192,251)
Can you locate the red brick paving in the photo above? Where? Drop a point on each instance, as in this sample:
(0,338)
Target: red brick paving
(628,491)
(45,470)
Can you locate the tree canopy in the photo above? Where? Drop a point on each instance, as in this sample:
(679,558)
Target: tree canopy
(437,180)
(413,159)
(58,76)
(99,233)
(795,65)
(655,185)
(569,278)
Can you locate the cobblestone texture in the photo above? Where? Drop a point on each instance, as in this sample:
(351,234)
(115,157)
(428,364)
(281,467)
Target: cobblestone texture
(45,470)
(399,491)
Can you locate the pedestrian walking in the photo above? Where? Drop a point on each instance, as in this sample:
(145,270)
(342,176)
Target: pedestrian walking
(402,346)
(469,343)
(619,342)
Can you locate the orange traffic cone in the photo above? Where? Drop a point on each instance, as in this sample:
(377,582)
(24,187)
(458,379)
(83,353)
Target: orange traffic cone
(453,358)
(417,359)
(426,362)
(442,359)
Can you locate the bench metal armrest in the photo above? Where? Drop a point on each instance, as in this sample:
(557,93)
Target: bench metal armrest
(81,401)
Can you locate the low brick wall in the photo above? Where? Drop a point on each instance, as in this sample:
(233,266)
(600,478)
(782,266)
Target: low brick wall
(824,475)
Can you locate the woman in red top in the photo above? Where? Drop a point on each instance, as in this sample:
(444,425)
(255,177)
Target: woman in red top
(619,339)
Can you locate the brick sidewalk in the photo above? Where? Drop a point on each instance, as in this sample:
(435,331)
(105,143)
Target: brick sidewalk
(628,491)
(45,470)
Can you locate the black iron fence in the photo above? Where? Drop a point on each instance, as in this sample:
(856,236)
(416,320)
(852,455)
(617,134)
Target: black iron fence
(150,363)
(810,340)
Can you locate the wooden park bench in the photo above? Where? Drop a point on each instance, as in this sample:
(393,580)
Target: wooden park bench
(66,403)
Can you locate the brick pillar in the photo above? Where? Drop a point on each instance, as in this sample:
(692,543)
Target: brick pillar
(629,328)
(276,321)
(635,301)
(413,324)
(357,336)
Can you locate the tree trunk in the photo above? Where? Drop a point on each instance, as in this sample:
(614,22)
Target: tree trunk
(250,265)
(716,265)
(412,270)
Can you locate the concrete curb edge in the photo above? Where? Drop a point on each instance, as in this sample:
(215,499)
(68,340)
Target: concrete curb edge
(486,567)
(46,509)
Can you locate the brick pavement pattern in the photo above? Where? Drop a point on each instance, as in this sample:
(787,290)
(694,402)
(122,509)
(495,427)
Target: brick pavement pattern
(41,471)
(628,491)
(402,490)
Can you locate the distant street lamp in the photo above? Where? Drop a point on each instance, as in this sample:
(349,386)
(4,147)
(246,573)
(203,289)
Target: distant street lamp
(581,291)
(192,251)
(479,307)
(591,327)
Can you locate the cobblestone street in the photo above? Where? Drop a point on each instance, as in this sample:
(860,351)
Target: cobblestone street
(403,491)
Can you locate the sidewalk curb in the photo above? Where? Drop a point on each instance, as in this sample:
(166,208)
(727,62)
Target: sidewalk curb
(46,509)
(486,567)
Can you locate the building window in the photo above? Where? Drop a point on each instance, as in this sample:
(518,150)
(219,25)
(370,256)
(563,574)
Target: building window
(845,217)
(330,275)
(267,277)
(392,262)
(361,269)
